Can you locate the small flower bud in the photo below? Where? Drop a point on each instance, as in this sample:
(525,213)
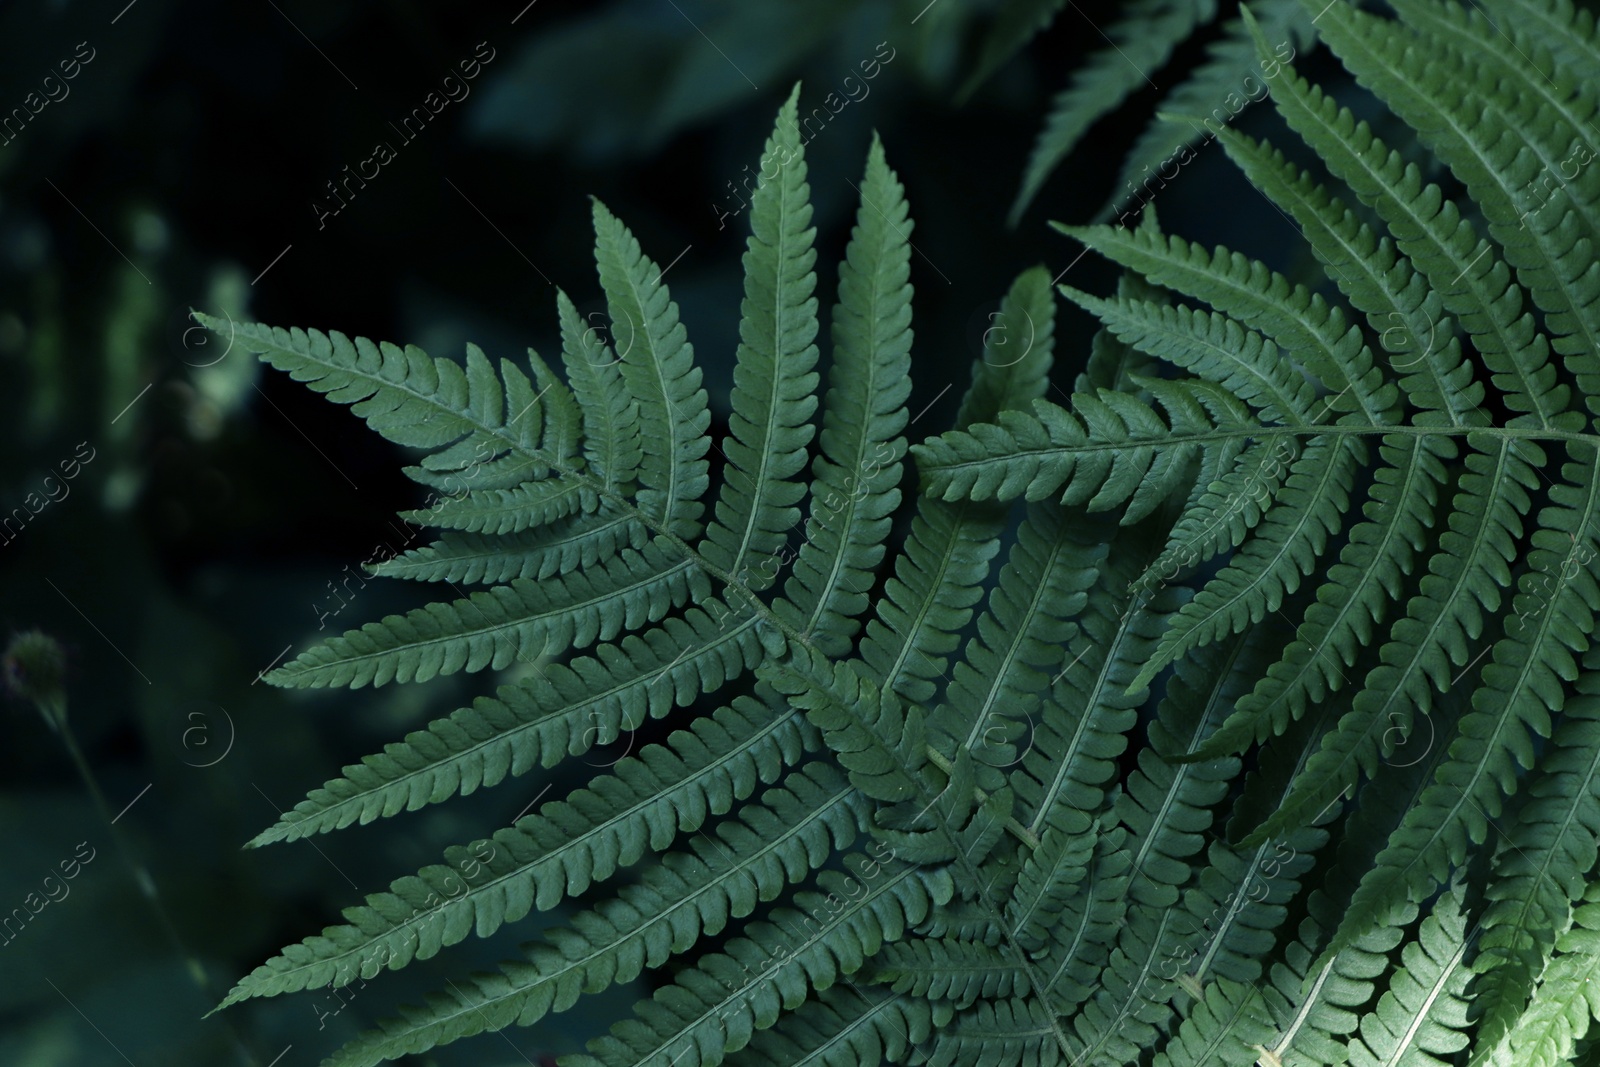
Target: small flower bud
(35,669)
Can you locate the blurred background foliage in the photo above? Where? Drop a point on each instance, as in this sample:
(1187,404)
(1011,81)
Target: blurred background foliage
(223,514)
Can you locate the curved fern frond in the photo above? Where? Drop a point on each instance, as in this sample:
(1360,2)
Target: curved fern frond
(1567,999)
(470,559)
(1537,879)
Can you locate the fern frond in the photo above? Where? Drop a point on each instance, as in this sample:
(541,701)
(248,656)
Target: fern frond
(1552,115)
(1215,347)
(1463,587)
(1165,808)
(1299,322)
(504,511)
(1287,543)
(1568,996)
(773,381)
(855,477)
(610,414)
(947,553)
(657,364)
(715,1008)
(1020,643)
(1001,1033)
(496,627)
(1142,39)
(1520,691)
(409,397)
(1214,92)
(1076,938)
(841,1028)
(1017,351)
(949,969)
(879,743)
(1035,455)
(1221,510)
(563,711)
(1061,781)
(688,895)
(1227,1025)
(644,803)
(1567,30)
(1424,1012)
(489,559)
(1540,868)
(1431,97)
(1378,280)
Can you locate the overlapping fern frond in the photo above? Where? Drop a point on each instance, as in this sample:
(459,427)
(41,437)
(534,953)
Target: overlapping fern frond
(1400,524)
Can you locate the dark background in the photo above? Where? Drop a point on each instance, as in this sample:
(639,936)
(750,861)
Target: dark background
(224,502)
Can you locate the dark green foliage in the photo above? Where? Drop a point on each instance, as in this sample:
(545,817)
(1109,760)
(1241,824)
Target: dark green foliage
(1144,782)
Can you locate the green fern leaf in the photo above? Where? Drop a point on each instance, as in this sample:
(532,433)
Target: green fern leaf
(563,711)
(657,364)
(1141,40)
(689,895)
(644,803)
(496,627)
(862,417)
(842,1028)
(773,387)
